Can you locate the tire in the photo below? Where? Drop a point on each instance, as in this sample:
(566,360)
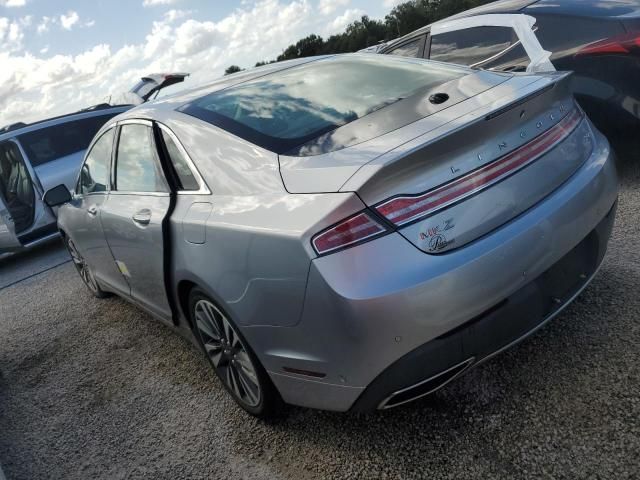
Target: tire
(231,358)
(84,270)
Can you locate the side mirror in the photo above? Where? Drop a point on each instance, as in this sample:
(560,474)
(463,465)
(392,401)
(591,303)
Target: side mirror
(57,196)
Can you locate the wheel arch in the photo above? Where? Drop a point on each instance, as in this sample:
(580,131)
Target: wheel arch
(184,288)
(185,285)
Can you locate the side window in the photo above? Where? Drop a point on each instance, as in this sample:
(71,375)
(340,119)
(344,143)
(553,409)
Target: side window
(137,165)
(409,49)
(180,165)
(94,174)
(51,143)
(472,46)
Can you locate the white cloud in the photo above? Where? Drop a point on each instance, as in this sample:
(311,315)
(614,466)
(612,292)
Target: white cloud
(44,24)
(153,3)
(34,86)
(12,3)
(11,35)
(26,21)
(391,3)
(89,24)
(327,7)
(69,20)
(173,15)
(44,50)
(350,15)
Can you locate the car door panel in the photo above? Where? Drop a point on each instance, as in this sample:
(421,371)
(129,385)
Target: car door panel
(84,220)
(133,225)
(18,191)
(84,213)
(133,216)
(8,240)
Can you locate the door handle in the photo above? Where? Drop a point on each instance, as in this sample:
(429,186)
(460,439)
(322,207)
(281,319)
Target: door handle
(92,210)
(142,217)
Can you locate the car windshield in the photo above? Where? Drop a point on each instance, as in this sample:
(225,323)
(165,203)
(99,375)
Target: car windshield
(289,107)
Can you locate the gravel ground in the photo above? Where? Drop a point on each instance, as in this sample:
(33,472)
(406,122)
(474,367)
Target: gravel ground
(19,266)
(96,389)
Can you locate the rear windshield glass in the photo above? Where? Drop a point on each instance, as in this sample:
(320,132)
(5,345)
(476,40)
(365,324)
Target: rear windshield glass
(287,108)
(51,143)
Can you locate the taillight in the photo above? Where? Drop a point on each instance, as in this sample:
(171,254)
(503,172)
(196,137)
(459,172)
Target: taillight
(404,209)
(348,232)
(622,44)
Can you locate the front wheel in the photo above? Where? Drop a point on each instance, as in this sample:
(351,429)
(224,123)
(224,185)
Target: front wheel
(84,270)
(232,359)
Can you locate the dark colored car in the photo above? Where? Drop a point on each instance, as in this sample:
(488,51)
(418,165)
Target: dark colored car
(598,40)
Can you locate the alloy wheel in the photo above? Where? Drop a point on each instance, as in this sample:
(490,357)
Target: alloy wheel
(227,353)
(82,267)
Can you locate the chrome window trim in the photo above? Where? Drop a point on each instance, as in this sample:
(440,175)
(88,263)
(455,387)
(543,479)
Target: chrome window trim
(139,121)
(204,189)
(139,194)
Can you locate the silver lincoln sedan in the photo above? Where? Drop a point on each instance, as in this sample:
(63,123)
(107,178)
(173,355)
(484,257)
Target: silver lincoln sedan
(347,232)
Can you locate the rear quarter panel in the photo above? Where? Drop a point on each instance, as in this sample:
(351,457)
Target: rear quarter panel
(248,243)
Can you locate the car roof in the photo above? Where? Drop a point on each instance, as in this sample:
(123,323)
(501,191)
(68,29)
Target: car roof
(69,117)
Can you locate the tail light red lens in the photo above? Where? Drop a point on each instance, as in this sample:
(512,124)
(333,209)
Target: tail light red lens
(348,232)
(405,209)
(623,44)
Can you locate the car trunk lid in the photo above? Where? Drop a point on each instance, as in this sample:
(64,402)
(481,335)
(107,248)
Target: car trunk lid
(465,170)
(323,164)
(450,190)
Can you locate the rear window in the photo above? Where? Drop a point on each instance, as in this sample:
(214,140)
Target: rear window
(471,46)
(409,49)
(51,143)
(287,108)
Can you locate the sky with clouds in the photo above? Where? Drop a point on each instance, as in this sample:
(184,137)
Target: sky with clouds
(59,56)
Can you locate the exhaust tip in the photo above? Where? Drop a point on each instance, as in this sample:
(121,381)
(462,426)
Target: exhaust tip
(425,387)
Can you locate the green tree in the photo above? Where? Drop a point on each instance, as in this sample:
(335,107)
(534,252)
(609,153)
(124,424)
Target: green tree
(232,69)
(402,19)
(306,47)
(409,16)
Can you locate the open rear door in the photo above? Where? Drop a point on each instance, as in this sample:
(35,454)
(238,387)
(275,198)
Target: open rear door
(151,84)
(522,25)
(146,88)
(8,239)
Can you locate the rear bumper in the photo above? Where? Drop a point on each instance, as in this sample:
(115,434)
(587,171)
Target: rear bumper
(439,361)
(369,307)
